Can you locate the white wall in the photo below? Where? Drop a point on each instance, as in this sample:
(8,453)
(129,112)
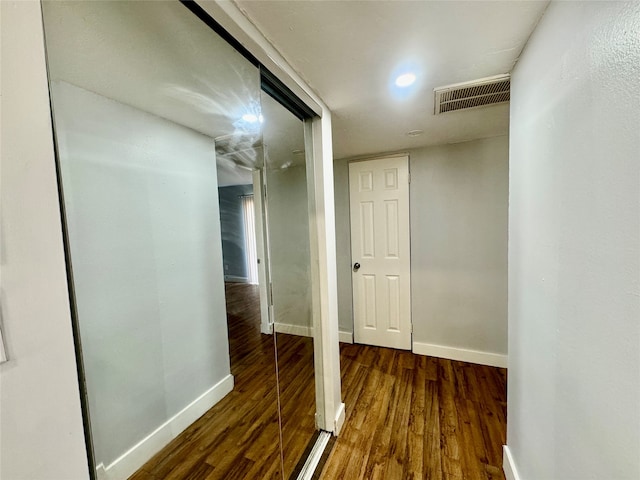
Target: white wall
(41,435)
(458,248)
(459,216)
(574,246)
(144,229)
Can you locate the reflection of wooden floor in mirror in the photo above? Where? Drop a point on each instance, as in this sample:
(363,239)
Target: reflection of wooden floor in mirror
(238,438)
(408,416)
(412,416)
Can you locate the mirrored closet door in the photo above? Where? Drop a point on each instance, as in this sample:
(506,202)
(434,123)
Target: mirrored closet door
(187,229)
(290,273)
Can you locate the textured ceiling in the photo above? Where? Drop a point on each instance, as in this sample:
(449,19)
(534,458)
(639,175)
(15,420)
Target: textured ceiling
(349,51)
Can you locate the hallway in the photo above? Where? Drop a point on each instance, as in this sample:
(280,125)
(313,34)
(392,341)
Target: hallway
(418,417)
(408,416)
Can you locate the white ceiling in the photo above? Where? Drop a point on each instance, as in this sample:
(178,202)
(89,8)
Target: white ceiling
(158,57)
(348,52)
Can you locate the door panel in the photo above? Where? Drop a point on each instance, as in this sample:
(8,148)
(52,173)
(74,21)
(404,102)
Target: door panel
(380,245)
(287,226)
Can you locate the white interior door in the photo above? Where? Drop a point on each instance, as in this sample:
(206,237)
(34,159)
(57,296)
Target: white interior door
(380,252)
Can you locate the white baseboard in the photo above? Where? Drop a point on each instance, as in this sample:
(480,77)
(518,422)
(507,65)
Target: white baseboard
(461,354)
(101,474)
(300,330)
(305,331)
(138,455)
(345,337)
(236,279)
(508,465)
(339,420)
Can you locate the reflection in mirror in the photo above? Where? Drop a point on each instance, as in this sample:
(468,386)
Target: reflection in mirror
(179,367)
(290,274)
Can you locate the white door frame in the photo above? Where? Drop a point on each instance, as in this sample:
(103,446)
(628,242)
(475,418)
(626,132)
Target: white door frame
(266,325)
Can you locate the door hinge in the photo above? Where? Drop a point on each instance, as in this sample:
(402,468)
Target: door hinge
(270,293)
(409,178)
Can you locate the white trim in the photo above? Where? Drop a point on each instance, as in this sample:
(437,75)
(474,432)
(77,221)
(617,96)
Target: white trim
(125,466)
(300,330)
(261,246)
(508,465)
(461,354)
(366,157)
(235,279)
(339,421)
(310,465)
(324,291)
(101,474)
(345,337)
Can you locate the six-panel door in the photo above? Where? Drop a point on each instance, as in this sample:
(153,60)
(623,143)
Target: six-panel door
(380,244)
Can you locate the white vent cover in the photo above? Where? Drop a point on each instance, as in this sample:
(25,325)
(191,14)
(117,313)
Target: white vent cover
(477,93)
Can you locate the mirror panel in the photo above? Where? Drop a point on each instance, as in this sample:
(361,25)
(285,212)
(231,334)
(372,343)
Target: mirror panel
(290,273)
(149,104)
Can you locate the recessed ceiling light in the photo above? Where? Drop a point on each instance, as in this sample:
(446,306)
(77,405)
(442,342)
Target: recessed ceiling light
(405,80)
(415,133)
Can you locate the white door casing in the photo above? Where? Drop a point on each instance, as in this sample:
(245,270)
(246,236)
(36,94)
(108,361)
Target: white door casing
(380,244)
(266,325)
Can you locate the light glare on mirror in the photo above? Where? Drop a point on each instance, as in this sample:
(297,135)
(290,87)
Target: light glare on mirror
(252,118)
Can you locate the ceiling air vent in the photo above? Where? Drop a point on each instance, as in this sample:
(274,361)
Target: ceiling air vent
(477,93)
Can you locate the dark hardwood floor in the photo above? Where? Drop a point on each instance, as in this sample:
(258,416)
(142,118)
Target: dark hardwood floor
(408,416)
(417,417)
(238,438)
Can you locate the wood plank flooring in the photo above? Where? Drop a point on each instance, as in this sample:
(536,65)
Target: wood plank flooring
(417,417)
(239,437)
(408,416)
